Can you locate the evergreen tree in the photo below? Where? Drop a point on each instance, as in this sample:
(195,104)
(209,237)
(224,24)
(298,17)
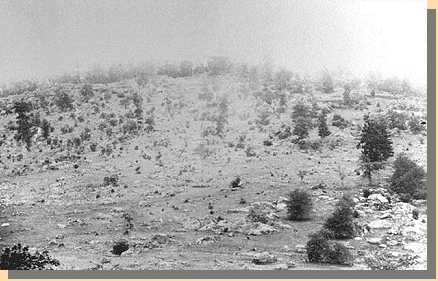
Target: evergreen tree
(323,130)
(302,127)
(25,123)
(375,144)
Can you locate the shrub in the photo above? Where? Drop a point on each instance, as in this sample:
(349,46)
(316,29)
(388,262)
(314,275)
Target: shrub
(415,214)
(237,182)
(319,249)
(340,255)
(86,91)
(19,258)
(111,180)
(409,179)
(63,101)
(341,221)
(267,143)
(415,126)
(299,205)
(366,193)
(120,247)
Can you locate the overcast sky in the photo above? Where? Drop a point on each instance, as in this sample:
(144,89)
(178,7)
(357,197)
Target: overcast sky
(39,38)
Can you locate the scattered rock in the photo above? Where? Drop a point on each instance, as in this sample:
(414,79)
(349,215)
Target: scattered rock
(192,224)
(378,197)
(208,240)
(385,216)
(380,224)
(264,258)
(374,240)
(144,204)
(62,226)
(258,229)
(300,248)
(52,242)
(281,266)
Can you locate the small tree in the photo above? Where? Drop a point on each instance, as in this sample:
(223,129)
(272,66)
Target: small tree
(302,128)
(299,205)
(409,179)
(341,221)
(25,123)
(375,144)
(323,130)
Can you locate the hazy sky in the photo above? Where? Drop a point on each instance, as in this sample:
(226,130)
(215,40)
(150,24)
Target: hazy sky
(39,38)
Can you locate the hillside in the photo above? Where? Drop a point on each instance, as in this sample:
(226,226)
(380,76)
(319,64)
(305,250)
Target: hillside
(151,164)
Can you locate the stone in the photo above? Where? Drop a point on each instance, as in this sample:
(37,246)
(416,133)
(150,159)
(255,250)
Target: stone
(62,226)
(192,224)
(383,246)
(5,224)
(208,240)
(258,229)
(416,247)
(52,242)
(378,197)
(101,216)
(380,224)
(144,204)
(264,258)
(374,240)
(291,264)
(59,236)
(300,248)
(385,216)
(281,266)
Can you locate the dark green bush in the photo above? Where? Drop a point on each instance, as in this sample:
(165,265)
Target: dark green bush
(409,179)
(19,258)
(299,205)
(341,221)
(120,247)
(319,249)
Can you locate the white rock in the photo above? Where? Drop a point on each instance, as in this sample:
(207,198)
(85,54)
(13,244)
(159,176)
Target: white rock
(380,224)
(378,197)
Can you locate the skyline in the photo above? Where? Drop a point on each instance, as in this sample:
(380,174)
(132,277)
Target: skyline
(46,38)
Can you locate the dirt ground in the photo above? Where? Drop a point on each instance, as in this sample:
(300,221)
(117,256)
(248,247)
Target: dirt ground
(173,184)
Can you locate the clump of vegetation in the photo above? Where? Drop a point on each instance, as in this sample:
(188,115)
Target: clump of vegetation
(409,179)
(341,223)
(415,126)
(319,249)
(111,180)
(339,122)
(323,130)
(63,101)
(19,258)
(375,144)
(237,182)
(86,92)
(25,123)
(299,205)
(120,247)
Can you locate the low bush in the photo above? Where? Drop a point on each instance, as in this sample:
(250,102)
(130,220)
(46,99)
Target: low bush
(299,205)
(19,258)
(409,179)
(319,249)
(120,247)
(341,221)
